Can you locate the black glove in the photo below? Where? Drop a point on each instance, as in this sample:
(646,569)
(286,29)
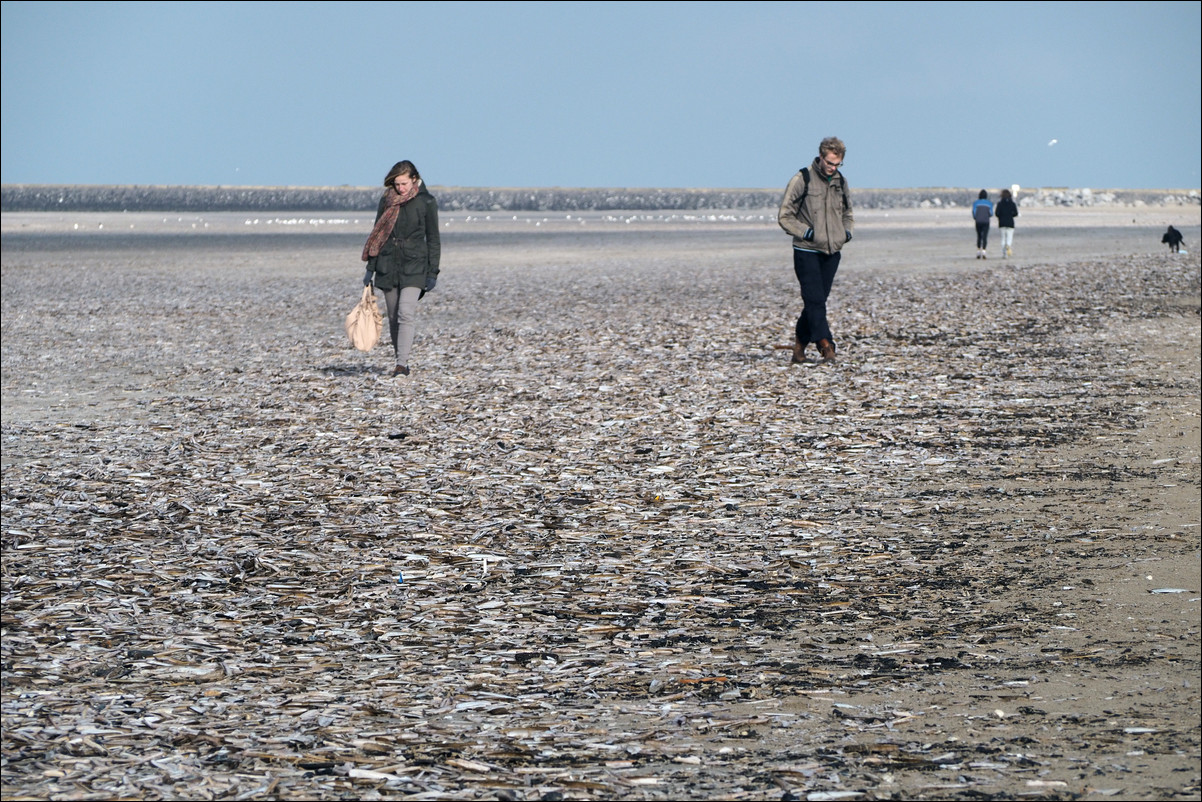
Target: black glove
(430,282)
(848,235)
(367,277)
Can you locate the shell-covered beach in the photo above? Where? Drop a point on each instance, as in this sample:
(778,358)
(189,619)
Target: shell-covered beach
(642,556)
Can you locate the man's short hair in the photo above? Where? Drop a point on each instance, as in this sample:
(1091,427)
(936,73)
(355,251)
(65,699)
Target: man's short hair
(832,144)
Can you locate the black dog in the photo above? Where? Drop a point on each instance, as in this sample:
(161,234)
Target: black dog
(1174,239)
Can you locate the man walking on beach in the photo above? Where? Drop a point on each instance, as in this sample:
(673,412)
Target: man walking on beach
(816,210)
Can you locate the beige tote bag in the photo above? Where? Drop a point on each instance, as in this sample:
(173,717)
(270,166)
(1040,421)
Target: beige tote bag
(364,323)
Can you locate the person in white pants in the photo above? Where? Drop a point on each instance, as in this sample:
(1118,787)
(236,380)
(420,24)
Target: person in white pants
(1005,213)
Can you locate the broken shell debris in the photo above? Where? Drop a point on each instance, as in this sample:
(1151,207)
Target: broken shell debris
(643,557)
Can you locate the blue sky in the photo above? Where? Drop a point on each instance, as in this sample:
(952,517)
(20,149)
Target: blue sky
(601,94)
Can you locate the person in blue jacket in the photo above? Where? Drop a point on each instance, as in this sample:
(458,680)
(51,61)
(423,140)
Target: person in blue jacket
(982,210)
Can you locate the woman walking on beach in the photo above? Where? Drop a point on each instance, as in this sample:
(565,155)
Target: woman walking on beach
(1006,211)
(402,254)
(982,210)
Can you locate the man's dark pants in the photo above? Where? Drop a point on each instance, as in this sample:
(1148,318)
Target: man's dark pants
(816,273)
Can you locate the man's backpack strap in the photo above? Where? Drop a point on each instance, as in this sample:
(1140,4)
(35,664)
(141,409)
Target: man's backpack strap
(805,174)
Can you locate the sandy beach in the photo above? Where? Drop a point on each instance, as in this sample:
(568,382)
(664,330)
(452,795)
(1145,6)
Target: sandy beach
(643,556)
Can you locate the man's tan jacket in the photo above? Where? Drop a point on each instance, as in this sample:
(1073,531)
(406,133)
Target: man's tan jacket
(824,222)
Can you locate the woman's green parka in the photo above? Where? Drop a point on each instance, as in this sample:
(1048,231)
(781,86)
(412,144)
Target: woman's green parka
(409,258)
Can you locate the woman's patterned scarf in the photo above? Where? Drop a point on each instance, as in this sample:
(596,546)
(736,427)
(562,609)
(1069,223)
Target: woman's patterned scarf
(393,201)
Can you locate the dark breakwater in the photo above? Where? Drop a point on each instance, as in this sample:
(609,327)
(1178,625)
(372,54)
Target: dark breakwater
(135,198)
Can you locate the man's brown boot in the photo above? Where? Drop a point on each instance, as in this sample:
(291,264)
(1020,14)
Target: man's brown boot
(827,349)
(799,352)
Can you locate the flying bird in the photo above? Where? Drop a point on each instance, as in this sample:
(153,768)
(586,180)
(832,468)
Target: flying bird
(1053,142)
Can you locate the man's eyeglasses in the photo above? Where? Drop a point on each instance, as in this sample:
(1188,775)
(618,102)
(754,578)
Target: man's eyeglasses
(835,165)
